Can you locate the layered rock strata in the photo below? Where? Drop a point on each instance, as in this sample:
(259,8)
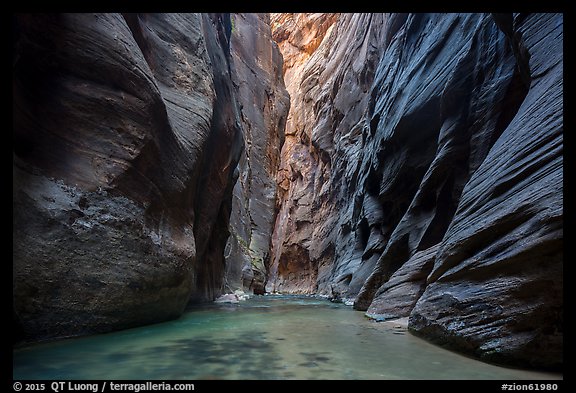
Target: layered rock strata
(264,103)
(126,135)
(422,175)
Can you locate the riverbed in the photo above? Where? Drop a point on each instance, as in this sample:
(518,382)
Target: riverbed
(265,337)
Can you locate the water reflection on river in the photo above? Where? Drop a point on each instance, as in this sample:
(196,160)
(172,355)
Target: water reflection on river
(269,337)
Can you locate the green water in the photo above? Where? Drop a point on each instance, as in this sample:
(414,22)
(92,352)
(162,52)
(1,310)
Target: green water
(270,337)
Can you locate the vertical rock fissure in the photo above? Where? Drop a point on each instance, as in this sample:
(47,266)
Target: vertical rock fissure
(264,105)
(218,160)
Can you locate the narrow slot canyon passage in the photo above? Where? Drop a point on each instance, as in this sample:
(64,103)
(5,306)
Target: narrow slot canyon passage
(287,196)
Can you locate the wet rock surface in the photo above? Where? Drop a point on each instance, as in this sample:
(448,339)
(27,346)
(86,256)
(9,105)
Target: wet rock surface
(498,274)
(398,296)
(422,175)
(419,174)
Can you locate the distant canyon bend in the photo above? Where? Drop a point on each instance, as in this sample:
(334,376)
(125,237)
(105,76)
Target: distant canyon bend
(409,165)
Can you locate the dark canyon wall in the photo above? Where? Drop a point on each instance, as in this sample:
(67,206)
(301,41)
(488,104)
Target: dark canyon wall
(127,132)
(419,175)
(422,174)
(264,103)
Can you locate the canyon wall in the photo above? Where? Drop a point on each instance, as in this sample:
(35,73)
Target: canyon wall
(421,175)
(264,103)
(127,133)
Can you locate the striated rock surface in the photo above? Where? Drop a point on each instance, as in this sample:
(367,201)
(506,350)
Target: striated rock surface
(398,296)
(126,136)
(496,287)
(422,175)
(264,103)
(328,99)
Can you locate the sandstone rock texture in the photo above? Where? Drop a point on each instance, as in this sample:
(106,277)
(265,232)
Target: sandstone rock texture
(496,286)
(322,66)
(264,102)
(422,175)
(416,170)
(126,136)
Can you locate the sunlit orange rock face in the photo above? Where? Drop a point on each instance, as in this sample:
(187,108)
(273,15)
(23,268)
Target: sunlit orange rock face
(421,174)
(415,170)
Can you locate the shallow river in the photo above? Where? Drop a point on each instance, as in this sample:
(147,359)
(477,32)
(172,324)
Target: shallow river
(270,337)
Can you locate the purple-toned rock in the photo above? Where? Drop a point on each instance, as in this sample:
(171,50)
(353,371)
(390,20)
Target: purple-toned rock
(496,287)
(422,175)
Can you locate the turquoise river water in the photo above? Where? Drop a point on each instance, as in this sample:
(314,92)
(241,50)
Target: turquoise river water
(266,337)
